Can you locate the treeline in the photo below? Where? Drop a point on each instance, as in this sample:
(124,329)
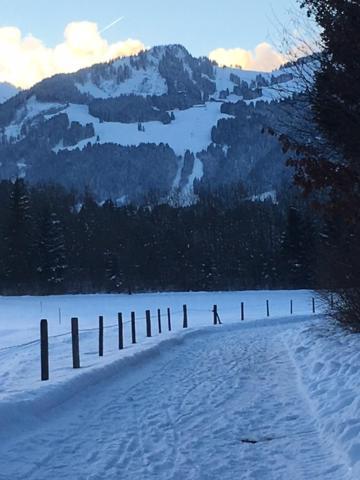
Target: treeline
(52,244)
(129,172)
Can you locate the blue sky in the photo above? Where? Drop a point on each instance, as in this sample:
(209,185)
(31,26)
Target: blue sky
(200,25)
(40,38)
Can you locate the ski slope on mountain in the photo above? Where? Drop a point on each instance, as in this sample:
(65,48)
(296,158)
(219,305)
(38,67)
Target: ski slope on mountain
(191,129)
(223,402)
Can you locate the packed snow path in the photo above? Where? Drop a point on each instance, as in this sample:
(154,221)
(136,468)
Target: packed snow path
(221,404)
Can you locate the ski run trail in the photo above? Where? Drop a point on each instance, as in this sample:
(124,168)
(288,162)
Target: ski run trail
(216,403)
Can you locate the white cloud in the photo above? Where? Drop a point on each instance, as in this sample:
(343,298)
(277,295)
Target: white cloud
(263,58)
(26,60)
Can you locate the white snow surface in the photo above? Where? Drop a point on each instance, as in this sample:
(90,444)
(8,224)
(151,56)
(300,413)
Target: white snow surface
(268,398)
(20,318)
(191,129)
(30,111)
(142,82)
(263,197)
(327,361)
(271,93)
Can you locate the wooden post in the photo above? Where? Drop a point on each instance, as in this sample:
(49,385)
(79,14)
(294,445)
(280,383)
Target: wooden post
(44,345)
(291,307)
(332,301)
(121,331)
(148,323)
(169,319)
(101,336)
(159,320)
(133,328)
(267,308)
(242,312)
(215,314)
(313,305)
(75,342)
(185,321)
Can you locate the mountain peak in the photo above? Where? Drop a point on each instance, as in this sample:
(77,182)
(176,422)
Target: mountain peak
(174,49)
(7,91)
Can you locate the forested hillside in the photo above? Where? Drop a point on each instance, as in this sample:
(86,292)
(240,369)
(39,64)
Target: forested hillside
(51,244)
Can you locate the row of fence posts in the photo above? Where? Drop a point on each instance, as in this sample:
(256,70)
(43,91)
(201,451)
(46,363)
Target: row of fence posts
(44,335)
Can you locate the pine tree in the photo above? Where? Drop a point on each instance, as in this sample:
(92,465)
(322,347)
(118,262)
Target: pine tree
(334,166)
(114,274)
(19,239)
(51,253)
(293,252)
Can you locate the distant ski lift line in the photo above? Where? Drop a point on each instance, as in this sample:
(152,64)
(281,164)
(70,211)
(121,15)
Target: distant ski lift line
(112,24)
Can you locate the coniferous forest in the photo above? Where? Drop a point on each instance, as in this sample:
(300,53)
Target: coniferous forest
(51,243)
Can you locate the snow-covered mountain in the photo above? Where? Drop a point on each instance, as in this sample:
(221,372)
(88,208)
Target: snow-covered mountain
(7,91)
(160,121)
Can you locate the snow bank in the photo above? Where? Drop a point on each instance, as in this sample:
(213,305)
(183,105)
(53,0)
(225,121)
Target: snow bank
(328,363)
(35,403)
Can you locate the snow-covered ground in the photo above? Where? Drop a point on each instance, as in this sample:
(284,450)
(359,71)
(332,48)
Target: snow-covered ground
(267,398)
(20,317)
(191,129)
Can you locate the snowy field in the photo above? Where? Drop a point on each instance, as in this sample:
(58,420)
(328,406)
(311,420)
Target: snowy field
(20,318)
(264,399)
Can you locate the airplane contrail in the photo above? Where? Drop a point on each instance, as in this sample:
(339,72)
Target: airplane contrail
(111,24)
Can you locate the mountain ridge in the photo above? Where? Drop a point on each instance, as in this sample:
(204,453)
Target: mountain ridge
(162,97)
(7,90)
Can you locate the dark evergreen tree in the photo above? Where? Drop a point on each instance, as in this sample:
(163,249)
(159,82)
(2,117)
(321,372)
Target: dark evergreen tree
(114,274)
(19,239)
(293,252)
(328,167)
(333,165)
(51,253)
(224,241)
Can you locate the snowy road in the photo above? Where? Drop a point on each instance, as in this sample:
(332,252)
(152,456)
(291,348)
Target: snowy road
(221,404)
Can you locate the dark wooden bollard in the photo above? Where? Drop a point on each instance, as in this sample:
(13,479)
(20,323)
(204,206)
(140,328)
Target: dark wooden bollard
(291,307)
(44,345)
(332,301)
(215,314)
(185,321)
(148,323)
(313,305)
(101,336)
(242,312)
(121,331)
(267,308)
(133,328)
(169,319)
(75,342)
(159,320)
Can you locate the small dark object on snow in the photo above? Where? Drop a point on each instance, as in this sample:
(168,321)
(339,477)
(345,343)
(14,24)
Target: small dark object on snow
(254,442)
